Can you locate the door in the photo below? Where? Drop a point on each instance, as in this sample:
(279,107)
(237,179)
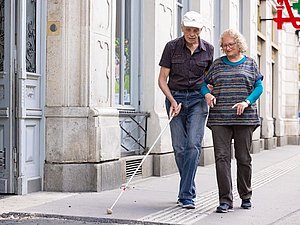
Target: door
(22,69)
(30,44)
(7,109)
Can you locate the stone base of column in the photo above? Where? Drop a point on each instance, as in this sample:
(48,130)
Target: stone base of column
(257,146)
(282,141)
(164,164)
(270,143)
(82,177)
(293,140)
(207,156)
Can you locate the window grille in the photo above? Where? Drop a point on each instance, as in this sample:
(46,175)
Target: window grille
(133,132)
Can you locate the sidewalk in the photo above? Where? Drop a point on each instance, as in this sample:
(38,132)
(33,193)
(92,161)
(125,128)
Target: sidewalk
(276,194)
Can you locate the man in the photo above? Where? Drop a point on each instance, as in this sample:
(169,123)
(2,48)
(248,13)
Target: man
(183,64)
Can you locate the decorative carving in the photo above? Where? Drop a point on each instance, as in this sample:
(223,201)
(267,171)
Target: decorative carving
(104,66)
(101,13)
(31,36)
(101,44)
(30,91)
(170,17)
(108,61)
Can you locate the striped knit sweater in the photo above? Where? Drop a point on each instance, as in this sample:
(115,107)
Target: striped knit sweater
(232,84)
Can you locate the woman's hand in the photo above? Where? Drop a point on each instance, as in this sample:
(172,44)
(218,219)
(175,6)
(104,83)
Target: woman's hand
(211,100)
(210,88)
(240,107)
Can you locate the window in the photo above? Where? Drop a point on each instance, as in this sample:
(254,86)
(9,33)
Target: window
(31,6)
(258,16)
(122,53)
(241,17)
(182,7)
(179,16)
(128,77)
(274,27)
(217,28)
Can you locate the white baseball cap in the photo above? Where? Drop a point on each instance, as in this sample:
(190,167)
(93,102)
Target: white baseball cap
(192,19)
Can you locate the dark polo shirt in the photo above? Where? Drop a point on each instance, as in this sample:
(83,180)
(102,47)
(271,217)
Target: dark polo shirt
(186,70)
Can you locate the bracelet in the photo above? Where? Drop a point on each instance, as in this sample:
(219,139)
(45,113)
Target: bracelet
(248,102)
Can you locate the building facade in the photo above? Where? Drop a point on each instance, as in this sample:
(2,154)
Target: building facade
(80,104)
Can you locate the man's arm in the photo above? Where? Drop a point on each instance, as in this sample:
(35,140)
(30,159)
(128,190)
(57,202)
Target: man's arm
(163,84)
(205,91)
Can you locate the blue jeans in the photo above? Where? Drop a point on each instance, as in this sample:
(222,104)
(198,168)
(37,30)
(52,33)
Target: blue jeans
(187,131)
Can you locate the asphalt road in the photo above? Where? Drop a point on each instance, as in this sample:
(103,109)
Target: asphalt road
(31,219)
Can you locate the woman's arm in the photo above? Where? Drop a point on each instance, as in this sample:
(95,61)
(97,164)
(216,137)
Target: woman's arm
(258,90)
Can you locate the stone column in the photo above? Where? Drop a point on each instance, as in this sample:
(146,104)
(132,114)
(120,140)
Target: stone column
(159,19)
(266,70)
(206,9)
(249,31)
(82,127)
(278,94)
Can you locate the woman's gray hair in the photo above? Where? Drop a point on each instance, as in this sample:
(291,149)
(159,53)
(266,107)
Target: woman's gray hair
(237,36)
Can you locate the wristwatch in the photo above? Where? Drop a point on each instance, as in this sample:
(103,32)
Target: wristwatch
(248,102)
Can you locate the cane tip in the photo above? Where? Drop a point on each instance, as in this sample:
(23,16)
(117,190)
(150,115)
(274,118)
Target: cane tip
(109,211)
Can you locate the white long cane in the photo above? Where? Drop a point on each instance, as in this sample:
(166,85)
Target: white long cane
(109,210)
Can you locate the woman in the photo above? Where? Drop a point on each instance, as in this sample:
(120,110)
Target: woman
(237,84)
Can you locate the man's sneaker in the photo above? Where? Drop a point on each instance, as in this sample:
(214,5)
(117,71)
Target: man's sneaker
(246,203)
(224,208)
(186,203)
(178,201)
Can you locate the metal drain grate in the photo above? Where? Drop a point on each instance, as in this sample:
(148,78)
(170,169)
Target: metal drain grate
(131,166)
